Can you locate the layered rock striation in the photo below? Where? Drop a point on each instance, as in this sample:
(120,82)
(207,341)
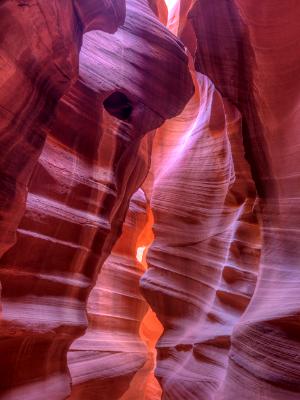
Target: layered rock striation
(149,198)
(102,368)
(95,157)
(40,45)
(204,258)
(250,52)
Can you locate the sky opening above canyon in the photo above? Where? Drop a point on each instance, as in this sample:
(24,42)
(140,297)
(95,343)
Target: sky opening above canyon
(171,3)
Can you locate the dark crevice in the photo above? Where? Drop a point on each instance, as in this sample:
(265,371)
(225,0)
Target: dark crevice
(118,105)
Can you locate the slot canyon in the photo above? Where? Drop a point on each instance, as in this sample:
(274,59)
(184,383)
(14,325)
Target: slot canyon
(149,200)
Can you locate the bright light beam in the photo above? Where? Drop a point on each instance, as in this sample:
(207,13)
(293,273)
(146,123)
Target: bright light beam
(170,3)
(140,253)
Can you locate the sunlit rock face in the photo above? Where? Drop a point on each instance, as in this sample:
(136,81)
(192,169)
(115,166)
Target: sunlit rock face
(96,155)
(39,59)
(102,368)
(236,44)
(202,264)
(149,200)
(40,42)
(251,53)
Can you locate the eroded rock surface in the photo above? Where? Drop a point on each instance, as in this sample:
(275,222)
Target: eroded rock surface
(95,157)
(251,55)
(102,368)
(40,43)
(204,259)
(86,87)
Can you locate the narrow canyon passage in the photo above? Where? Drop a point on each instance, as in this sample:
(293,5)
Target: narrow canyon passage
(149,200)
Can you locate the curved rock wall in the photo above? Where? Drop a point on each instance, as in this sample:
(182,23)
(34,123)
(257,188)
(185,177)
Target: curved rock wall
(101,368)
(40,42)
(250,52)
(85,89)
(204,259)
(94,159)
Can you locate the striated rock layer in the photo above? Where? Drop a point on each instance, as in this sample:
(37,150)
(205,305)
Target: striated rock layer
(236,44)
(251,53)
(94,159)
(122,368)
(102,368)
(85,89)
(40,42)
(204,258)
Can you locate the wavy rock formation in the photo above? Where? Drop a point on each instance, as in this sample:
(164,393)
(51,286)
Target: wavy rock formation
(251,53)
(204,258)
(94,159)
(101,368)
(150,330)
(154,140)
(40,42)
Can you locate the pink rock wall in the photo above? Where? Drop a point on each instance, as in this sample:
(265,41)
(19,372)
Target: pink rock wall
(204,259)
(40,43)
(101,368)
(99,99)
(251,55)
(94,159)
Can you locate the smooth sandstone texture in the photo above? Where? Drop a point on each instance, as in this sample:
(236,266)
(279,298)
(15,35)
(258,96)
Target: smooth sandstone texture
(37,66)
(40,42)
(102,368)
(85,89)
(95,157)
(104,15)
(204,258)
(251,53)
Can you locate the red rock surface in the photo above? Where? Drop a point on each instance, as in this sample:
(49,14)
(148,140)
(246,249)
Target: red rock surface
(94,159)
(40,42)
(251,53)
(200,279)
(115,165)
(101,368)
